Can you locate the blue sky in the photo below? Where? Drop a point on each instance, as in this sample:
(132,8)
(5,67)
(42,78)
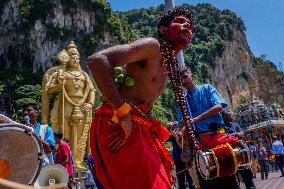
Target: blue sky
(264,20)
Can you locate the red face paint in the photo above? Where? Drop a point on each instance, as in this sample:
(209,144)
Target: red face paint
(179,32)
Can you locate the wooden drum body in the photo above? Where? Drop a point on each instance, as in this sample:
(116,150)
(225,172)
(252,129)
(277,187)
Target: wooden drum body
(223,160)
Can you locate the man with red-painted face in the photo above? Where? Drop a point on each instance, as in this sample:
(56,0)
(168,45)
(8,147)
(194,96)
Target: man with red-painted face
(126,142)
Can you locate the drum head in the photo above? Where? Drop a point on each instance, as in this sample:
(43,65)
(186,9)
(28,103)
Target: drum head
(20,149)
(202,164)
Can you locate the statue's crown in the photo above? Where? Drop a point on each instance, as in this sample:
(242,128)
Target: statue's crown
(71,45)
(72,48)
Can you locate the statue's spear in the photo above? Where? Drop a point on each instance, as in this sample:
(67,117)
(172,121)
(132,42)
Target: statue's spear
(63,57)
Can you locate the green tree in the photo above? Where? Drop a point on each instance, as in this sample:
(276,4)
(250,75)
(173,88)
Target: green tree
(27,94)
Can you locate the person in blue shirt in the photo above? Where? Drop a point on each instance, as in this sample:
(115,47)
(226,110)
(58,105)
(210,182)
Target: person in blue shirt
(91,165)
(235,129)
(231,127)
(44,132)
(181,169)
(204,104)
(277,149)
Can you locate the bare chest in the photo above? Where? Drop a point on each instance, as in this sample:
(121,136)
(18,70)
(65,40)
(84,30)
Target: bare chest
(151,72)
(150,80)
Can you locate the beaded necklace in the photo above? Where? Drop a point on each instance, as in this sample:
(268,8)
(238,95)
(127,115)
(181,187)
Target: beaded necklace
(189,143)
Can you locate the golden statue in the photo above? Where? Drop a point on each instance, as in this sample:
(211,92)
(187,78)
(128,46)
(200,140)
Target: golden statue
(75,96)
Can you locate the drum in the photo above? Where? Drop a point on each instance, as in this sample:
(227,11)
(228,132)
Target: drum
(223,160)
(20,153)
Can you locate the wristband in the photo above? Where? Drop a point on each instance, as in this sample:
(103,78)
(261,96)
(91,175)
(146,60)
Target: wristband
(120,112)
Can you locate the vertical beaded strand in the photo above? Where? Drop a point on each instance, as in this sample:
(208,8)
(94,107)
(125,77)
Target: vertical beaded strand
(174,74)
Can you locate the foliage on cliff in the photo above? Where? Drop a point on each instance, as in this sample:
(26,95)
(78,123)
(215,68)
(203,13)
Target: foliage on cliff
(106,21)
(29,11)
(271,81)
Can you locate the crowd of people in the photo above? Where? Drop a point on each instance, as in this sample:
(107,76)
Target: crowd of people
(255,111)
(264,159)
(57,149)
(267,158)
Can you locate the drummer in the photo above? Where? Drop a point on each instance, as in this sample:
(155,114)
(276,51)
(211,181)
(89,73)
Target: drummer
(44,132)
(234,129)
(205,105)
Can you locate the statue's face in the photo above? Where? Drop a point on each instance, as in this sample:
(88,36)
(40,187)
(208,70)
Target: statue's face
(179,32)
(74,61)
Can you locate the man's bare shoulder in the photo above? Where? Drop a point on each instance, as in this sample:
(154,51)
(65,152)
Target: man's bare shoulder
(148,42)
(143,44)
(143,49)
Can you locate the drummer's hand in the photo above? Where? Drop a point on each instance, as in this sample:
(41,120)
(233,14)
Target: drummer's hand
(191,121)
(119,138)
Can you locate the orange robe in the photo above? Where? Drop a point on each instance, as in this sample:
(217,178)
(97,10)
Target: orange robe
(142,163)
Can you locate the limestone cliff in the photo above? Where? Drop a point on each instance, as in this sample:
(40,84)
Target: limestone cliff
(235,74)
(271,82)
(239,74)
(30,41)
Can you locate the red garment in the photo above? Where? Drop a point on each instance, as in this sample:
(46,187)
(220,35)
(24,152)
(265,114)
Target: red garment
(209,141)
(62,152)
(142,163)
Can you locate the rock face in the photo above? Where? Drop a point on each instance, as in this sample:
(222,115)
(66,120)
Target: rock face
(33,45)
(271,83)
(235,74)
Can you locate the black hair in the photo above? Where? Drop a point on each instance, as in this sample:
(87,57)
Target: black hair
(213,127)
(66,140)
(226,112)
(32,105)
(58,135)
(167,17)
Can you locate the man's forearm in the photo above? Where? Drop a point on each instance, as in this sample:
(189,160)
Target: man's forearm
(103,73)
(209,113)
